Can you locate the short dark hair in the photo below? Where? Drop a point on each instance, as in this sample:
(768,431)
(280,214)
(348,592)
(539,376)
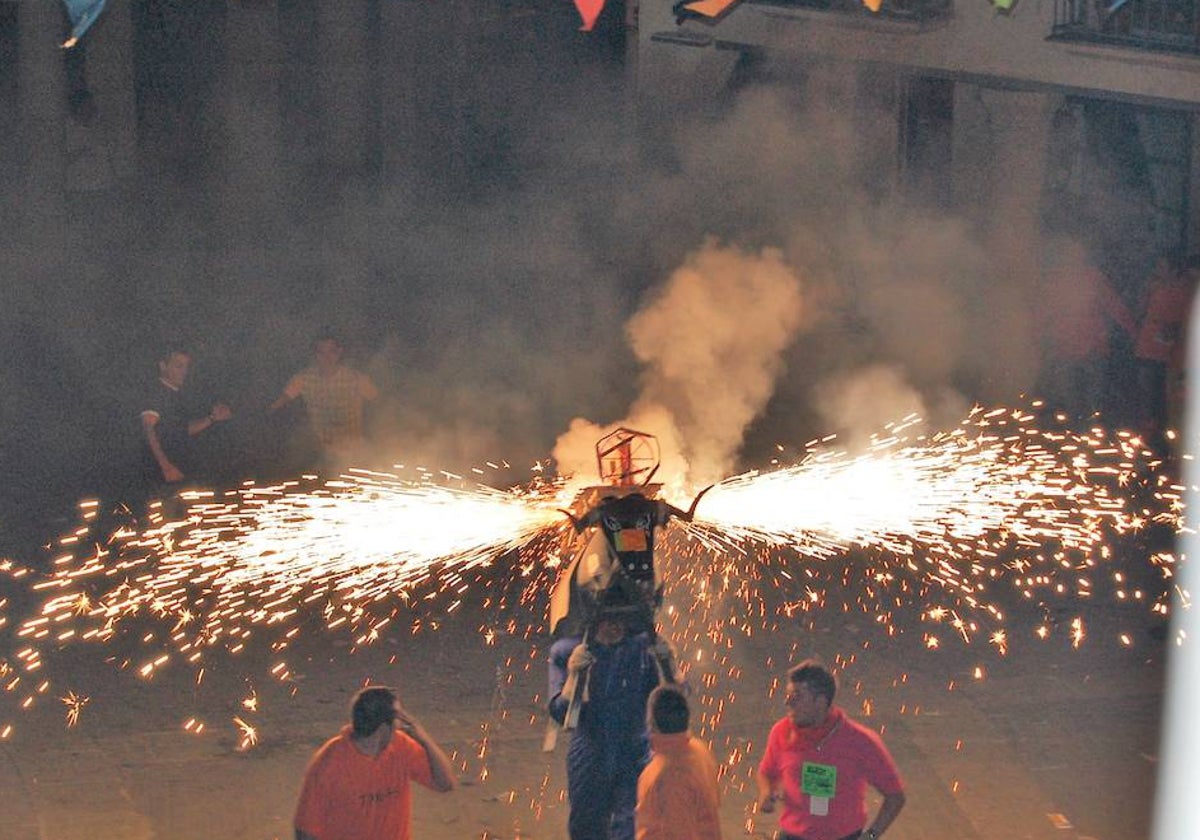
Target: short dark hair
(374,706)
(668,709)
(814,674)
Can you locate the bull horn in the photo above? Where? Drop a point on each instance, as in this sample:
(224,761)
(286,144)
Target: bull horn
(574,522)
(692,510)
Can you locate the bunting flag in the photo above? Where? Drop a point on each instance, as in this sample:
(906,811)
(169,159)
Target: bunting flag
(873,5)
(589,10)
(703,8)
(83,14)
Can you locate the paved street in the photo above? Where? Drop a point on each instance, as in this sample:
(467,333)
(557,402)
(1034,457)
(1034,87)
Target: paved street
(1051,742)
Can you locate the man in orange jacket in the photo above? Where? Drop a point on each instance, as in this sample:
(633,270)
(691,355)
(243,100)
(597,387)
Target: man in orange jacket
(677,796)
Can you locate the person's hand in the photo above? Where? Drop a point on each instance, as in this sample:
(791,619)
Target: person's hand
(220,412)
(405,722)
(580,659)
(766,804)
(172,474)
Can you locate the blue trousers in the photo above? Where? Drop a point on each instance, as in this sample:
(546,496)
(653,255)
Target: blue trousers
(602,788)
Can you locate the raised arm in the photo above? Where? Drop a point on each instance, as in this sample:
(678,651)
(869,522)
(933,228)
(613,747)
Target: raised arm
(440,767)
(293,389)
(219,413)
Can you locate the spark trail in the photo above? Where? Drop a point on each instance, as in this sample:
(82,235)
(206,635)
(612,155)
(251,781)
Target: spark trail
(998,476)
(941,517)
(357,552)
(943,521)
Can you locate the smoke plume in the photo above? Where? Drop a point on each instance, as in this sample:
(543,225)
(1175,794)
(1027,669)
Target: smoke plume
(711,343)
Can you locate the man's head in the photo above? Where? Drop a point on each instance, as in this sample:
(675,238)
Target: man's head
(173,366)
(811,689)
(327,352)
(667,710)
(374,706)
(610,630)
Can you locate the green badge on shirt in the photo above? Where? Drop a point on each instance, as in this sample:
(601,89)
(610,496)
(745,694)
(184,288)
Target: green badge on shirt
(818,779)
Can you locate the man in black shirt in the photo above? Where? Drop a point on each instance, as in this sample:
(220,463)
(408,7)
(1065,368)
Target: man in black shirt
(165,423)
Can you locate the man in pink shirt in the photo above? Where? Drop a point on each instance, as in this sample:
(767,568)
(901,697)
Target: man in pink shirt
(1079,312)
(819,762)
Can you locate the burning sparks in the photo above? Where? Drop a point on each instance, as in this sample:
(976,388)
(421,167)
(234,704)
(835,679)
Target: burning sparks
(955,531)
(74,704)
(355,553)
(999,499)
(997,480)
(268,556)
(247,735)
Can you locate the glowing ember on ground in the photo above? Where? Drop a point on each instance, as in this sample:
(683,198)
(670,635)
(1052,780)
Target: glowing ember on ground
(74,704)
(248,735)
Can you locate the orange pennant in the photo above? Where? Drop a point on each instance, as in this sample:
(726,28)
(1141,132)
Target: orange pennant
(589,10)
(710,8)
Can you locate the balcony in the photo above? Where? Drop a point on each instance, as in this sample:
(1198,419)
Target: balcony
(1160,25)
(915,11)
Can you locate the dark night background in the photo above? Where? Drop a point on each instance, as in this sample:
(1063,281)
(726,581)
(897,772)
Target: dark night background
(472,196)
(465,250)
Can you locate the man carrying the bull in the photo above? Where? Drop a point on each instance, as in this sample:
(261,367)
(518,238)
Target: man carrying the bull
(613,675)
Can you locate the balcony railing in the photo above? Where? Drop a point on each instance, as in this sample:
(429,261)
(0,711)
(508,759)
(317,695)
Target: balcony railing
(918,11)
(1166,25)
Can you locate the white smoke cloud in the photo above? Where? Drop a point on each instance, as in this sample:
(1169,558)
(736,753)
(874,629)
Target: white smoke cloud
(488,298)
(859,404)
(711,343)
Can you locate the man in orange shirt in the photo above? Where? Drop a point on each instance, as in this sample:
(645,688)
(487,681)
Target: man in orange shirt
(677,797)
(357,784)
